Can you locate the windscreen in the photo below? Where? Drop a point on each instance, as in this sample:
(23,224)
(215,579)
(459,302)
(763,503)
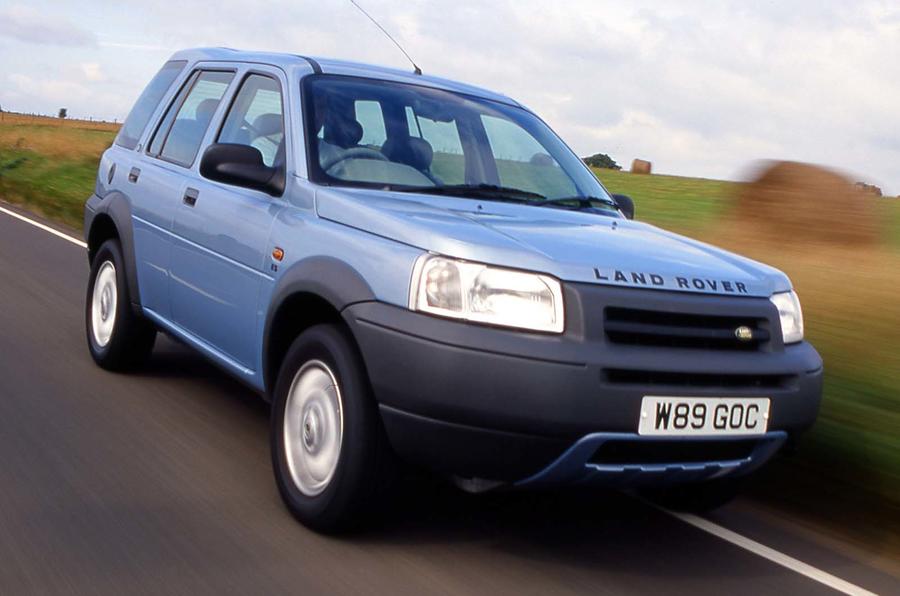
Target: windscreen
(382,134)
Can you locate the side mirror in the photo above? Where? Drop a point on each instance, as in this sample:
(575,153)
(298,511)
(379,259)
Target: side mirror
(241,165)
(626,205)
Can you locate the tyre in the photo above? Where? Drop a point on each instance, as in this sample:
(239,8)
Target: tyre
(117,338)
(700,497)
(329,450)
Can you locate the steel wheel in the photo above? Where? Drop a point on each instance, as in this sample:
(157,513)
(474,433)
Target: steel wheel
(104,304)
(118,337)
(313,427)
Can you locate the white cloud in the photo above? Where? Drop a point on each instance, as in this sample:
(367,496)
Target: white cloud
(92,72)
(135,46)
(22,23)
(58,92)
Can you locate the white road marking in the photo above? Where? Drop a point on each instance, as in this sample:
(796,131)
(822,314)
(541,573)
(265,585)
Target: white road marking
(771,554)
(700,523)
(46,228)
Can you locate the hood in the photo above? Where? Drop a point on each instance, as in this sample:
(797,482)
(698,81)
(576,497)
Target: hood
(572,246)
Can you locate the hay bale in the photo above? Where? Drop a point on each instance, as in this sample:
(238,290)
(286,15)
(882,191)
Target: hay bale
(869,189)
(640,166)
(795,203)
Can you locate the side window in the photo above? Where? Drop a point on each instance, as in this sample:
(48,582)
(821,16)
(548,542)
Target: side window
(448,163)
(368,114)
(159,136)
(146,104)
(256,118)
(178,137)
(522,162)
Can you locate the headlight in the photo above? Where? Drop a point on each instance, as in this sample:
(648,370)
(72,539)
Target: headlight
(791,316)
(484,294)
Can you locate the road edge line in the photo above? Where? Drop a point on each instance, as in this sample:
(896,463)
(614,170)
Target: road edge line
(44,227)
(769,553)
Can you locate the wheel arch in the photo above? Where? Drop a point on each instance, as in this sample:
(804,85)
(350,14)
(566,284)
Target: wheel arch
(313,291)
(112,219)
(103,228)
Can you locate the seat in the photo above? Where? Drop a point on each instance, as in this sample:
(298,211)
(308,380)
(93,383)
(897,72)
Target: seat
(343,132)
(412,151)
(268,125)
(186,134)
(204,112)
(268,131)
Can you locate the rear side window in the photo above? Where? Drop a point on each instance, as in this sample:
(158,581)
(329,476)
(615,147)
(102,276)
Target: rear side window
(256,118)
(178,137)
(146,104)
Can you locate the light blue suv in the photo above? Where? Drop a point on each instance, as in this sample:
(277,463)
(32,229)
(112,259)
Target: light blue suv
(413,269)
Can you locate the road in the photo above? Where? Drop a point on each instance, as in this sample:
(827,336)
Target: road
(159,482)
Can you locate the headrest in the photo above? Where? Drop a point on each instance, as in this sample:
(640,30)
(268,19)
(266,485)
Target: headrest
(412,151)
(205,110)
(541,159)
(266,125)
(343,132)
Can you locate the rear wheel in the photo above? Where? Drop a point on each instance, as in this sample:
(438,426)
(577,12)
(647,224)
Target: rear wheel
(329,452)
(117,338)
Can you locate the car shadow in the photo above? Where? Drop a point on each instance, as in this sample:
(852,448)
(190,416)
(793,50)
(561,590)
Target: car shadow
(174,361)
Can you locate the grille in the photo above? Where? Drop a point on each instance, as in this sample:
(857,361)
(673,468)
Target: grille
(678,379)
(624,452)
(682,330)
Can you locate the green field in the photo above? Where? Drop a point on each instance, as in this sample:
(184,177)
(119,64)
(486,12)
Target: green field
(49,164)
(849,294)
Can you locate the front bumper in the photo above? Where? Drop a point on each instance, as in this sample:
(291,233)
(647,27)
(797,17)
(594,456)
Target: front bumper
(520,407)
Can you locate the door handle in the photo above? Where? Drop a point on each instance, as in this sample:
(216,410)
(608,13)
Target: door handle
(190,197)
(134,174)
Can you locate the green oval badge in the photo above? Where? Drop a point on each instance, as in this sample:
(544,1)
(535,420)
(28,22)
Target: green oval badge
(744,333)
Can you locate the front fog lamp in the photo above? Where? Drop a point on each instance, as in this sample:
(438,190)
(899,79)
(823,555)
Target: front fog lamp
(488,295)
(791,316)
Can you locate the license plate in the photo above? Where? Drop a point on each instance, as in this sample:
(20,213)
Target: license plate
(703,415)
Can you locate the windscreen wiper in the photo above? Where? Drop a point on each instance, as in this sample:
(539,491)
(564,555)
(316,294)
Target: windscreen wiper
(477,191)
(579,202)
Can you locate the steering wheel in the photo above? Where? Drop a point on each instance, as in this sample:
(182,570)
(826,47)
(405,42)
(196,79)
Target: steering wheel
(354,153)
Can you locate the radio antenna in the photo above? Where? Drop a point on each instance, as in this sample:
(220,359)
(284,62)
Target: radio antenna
(416,69)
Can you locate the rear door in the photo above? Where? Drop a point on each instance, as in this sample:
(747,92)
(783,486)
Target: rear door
(163,175)
(221,232)
(151,217)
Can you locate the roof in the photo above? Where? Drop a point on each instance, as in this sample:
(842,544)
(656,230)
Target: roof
(335,66)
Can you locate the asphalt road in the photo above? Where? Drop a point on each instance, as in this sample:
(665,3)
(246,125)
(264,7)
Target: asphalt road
(159,482)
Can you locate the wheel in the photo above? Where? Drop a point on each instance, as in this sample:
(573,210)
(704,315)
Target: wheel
(117,338)
(330,454)
(697,497)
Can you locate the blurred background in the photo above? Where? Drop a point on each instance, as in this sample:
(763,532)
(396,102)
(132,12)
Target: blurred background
(710,115)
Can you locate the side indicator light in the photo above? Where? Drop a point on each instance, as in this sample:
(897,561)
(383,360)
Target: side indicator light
(277,254)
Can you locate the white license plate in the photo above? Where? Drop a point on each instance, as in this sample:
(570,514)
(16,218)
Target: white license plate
(703,415)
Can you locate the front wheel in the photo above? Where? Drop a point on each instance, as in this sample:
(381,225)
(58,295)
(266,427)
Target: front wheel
(117,338)
(329,451)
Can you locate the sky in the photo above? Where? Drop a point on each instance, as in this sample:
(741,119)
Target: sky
(700,88)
